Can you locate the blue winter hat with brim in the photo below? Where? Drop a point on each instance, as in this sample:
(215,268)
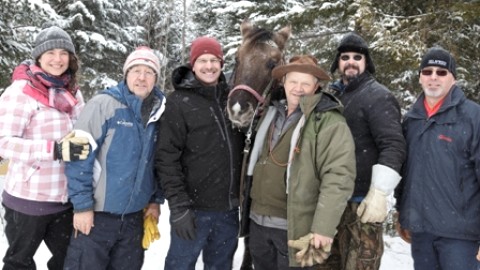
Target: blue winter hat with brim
(52,38)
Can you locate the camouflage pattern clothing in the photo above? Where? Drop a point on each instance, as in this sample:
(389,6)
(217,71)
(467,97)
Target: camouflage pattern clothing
(357,246)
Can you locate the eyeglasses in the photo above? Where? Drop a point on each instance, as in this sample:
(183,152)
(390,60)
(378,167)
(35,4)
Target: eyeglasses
(439,72)
(356,57)
(205,61)
(138,72)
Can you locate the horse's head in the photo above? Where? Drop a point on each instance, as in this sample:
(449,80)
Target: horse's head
(261,50)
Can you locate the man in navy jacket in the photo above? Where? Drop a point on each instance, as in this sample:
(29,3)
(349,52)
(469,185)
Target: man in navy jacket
(439,196)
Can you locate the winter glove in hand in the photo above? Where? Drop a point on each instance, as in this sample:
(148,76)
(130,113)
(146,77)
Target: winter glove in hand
(316,255)
(308,254)
(184,225)
(150,231)
(374,207)
(71,148)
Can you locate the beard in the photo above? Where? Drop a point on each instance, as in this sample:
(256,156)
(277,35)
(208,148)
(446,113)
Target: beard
(348,78)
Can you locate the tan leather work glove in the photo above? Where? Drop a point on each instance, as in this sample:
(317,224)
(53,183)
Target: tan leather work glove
(308,255)
(71,148)
(321,254)
(302,244)
(150,231)
(373,208)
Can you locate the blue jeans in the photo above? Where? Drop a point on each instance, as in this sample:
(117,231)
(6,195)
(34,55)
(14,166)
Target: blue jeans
(216,237)
(115,242)
(431,252)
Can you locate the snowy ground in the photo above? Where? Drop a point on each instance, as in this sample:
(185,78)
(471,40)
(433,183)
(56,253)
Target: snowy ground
(396,255)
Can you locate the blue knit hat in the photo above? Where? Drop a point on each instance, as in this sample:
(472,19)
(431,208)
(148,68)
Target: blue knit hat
(52,38)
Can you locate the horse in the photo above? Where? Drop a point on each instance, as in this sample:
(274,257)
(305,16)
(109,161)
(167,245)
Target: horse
(260,51)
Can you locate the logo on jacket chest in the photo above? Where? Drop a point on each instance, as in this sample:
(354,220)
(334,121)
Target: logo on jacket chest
(442,137)
(124,123)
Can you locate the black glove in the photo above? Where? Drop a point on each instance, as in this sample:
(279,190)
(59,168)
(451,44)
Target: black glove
(184,224)
(71,148)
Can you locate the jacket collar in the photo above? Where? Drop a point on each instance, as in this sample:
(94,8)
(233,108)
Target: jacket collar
(340,87)
(454,97)
(183,78)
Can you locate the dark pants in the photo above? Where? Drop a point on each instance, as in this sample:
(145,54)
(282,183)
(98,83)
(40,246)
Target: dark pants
(269,248)
(25,233)
(216,238)
(357,245)
(115,242)
(431,252)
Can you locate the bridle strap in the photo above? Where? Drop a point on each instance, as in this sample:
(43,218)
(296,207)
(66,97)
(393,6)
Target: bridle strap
(250,90)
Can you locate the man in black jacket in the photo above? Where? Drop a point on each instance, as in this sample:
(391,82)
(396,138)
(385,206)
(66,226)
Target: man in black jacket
(199,162)
(373,115)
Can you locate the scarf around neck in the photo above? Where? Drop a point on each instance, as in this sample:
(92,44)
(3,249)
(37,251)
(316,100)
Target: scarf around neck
(51,91)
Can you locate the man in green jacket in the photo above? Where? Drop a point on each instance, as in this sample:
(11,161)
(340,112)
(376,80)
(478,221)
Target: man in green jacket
(303,168)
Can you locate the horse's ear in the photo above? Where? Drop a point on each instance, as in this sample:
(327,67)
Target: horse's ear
(245,27)
(283,35)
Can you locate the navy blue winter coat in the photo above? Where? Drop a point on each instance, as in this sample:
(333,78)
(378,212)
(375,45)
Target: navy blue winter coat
(440,189)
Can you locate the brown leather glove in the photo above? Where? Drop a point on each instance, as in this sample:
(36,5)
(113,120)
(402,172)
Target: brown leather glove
(403,233)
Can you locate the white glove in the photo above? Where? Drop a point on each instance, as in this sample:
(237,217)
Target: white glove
(374,207)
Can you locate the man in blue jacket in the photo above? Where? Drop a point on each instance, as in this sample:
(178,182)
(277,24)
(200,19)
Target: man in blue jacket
(439,196)
(113,186)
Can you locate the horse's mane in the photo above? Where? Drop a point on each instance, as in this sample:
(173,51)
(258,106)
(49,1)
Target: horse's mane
(258,35)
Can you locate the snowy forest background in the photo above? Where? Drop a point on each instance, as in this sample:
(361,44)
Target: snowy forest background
(106,31)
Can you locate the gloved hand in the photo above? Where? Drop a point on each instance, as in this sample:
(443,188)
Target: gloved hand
(150,231)
(308,254)
(320,255)
(301,243)
(71,148)
(184,224)
(374,207)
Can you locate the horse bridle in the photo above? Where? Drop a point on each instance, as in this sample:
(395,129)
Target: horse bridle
(244,87)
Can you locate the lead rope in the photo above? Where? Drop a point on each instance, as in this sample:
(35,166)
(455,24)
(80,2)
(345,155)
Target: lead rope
(248,143)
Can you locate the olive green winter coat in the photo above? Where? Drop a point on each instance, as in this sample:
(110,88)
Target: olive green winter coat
(320,178)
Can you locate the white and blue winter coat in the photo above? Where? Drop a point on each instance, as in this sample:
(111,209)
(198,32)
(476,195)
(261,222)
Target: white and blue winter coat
(118,175)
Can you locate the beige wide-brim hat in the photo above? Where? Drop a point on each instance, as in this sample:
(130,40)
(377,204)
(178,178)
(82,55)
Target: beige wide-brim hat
(303,64)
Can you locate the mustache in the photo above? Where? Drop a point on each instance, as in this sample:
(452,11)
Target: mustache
(347,66)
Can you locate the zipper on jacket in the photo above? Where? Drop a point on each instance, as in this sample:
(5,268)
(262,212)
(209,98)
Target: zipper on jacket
(229,145)
(218,124)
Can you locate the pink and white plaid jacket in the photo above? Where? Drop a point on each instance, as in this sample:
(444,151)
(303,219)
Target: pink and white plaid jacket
(28,130)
